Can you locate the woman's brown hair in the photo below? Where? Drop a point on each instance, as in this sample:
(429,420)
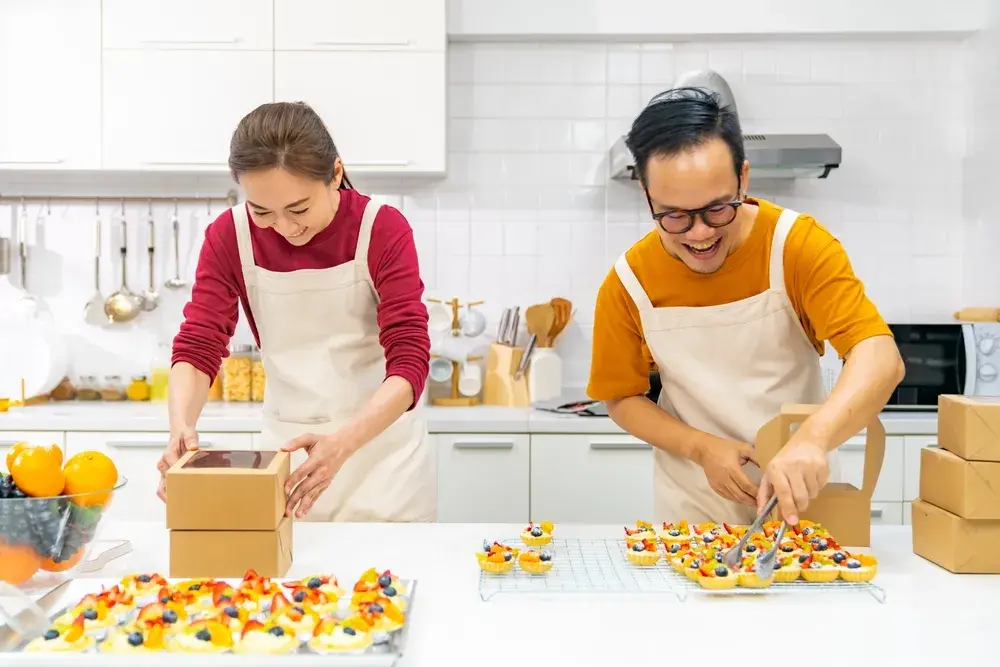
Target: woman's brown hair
(290,135)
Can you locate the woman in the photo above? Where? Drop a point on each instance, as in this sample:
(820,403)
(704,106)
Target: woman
(330,285)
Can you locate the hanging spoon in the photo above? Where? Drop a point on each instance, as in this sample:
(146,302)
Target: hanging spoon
(151,297)
(176,282)
(123,305)
(94,310)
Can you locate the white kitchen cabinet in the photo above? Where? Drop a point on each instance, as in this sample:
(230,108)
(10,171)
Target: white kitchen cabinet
(9,438)
(887,514)
(890,481)
(483,478)
(50,75)
(386,110)
(176,110)
(188,24)
(135,455)
(591,479)
(912,446)
(312,25)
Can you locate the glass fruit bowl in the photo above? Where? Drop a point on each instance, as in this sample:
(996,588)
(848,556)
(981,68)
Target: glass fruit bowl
(42,536)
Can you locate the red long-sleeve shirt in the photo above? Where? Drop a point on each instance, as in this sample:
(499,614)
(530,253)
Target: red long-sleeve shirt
(210,317)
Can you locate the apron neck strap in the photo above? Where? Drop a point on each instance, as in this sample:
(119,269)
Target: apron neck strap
(631,285)
(242,221)
(777,260)
(365,233)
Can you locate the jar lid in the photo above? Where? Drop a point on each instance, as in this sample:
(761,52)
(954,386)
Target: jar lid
(138,378)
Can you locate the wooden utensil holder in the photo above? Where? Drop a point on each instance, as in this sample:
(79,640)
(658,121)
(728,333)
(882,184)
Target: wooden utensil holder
(500,387)
(454,398)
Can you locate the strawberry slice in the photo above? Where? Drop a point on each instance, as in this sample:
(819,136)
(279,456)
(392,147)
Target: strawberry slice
(75,631)
(251,626)
(279,602)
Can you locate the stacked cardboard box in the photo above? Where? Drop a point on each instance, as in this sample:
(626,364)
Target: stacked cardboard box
(226,514)
(956,520)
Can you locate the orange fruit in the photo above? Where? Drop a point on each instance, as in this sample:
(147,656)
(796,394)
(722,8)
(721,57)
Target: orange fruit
(37,471)
(90,473)
(50,565)
(12,452)
(17,563)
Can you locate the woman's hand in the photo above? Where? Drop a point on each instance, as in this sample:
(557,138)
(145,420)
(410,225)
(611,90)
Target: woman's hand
(182,441)
(327,454)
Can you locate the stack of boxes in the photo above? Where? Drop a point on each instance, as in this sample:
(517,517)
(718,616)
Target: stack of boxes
(226,514)
(956,520)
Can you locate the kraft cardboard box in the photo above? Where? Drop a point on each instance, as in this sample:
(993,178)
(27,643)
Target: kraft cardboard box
(962,546)
(226,489)
(230,553)
(970,426)
(968,489)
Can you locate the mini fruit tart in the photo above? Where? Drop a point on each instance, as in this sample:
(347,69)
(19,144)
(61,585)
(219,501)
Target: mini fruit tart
(858,568)
(786,568)
(809,529)
(325,584)
(269,638)
(296,619)
(823,545)
(143,586)
(371,580)
(98,612)
(716,576)
(642,531)
(257,586)
(818,569)
(748,577)
(315,599)
(381,616)
(496,558)
(676,533)
(675,553)
(231,616)
(692,568)
(170,616)
(643,553)
(333,636)
(121,600)
(148,640)
(70,638)
(535,562)
(202,637)
(187,601)
(537,535)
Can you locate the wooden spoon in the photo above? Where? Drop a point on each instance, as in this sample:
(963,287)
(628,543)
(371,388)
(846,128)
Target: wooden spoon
(564,308)
(539,320)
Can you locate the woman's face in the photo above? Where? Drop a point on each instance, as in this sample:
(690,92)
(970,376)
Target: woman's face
(294,206)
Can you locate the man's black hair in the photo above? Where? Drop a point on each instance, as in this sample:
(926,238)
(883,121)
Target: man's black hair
(680,119)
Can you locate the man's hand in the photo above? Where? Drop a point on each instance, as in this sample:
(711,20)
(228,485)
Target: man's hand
(723,461)
(327,454)
(796,475)
(181,441)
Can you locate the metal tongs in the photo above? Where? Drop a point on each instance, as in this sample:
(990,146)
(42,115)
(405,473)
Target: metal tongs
(734,555)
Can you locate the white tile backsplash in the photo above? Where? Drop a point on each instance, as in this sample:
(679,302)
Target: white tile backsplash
(527,212)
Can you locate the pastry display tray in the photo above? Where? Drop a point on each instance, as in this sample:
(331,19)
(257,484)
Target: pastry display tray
(386,652)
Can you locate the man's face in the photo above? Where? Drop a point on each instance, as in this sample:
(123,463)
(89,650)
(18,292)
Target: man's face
(701,177)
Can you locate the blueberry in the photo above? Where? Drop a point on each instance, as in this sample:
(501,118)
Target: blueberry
(718,556)
(143,578)
(299,609)
(694,565)
(384,580)
(507,555)
(674,533)
(823,545)
(853,563)
(204,635)
(277,631)
(170,616)
(787,548)
(299,596)
(195,587)
(135,638)
(777,565)
(51,634)
(807,531)
(638,547)
(751,548)
(536,532)
(721,571)
(90,615)
(545,558)
(231,611)
(165,599)
(389,591)
(674,548)
(839,557)
(349,631)
(803,558)
(375,608)
(316,583)
(708,537)
(225,598)
(486,546)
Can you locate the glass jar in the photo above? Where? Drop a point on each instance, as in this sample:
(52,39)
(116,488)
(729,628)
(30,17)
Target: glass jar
(113,389)
(138,389)
(215,389)
(258,379)
(236,374)
(89,389)
(159,374)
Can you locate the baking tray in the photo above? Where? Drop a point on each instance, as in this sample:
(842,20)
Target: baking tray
(387,650)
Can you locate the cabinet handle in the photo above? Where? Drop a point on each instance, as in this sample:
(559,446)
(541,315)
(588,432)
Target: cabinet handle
(8,443)
(853,447)
(378,163)
(391,42)
(192,42)
(600,444)
(484,444)
(59,161)
(140,444)
(875,514)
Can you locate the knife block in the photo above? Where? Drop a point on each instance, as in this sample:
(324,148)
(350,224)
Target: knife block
(499,385)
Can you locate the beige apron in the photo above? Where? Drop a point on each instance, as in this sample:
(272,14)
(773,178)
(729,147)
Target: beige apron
(726,370)
(323,360)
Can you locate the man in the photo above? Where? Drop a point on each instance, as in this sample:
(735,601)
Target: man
(733,298)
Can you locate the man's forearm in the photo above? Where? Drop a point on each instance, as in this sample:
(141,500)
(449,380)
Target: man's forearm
(872,371)
(648,422)
(187,394)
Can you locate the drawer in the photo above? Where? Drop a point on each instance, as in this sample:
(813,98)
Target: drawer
(482,478)
(887,514)
(890,482)
(912,444)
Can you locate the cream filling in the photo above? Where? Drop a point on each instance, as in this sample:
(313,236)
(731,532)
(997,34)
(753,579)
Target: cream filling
(41,644)
(189,642)
(118,643)
(260,641)
(338,639)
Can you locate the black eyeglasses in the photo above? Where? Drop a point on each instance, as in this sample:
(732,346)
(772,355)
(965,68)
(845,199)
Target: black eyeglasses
(680,221)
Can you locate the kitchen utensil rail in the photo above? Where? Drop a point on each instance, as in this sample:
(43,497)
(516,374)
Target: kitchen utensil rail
(599,567)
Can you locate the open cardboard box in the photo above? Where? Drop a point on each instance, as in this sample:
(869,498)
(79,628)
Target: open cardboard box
(841,507)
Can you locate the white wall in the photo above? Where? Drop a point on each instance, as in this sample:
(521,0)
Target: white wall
(527,212)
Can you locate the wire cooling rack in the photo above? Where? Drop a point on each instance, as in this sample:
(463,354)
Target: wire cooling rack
(599,566)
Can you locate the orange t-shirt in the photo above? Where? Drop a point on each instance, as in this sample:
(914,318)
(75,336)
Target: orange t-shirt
(829,299)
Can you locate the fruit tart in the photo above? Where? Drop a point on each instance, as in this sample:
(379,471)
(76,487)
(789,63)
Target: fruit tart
(496,558)
(202,637)
(643,553)
(296,619)
(857,567)
(231,616)
(535,562)
(180,599)
(381,616)
(143,586)
(313,598)
(98,612)
(257,586)
(786,568)
(371,584)
(170,615)
(325,584)
(675,552)
(642,531)
(69,638)
(716,576)
(692,566)
(818,568)
(333,636)
(537,535)
(747,575)
(135,640)
(675,533)
(266,638)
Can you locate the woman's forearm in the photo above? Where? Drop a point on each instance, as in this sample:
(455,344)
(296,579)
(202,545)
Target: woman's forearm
(187,395)
(390,401)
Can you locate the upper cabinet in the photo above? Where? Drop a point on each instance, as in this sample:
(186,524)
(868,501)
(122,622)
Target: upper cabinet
(337,25)
(50,75)
(237,25)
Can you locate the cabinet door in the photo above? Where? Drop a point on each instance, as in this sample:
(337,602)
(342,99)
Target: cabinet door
(385,110)
(9,438)
(591,479)
(887,514)
(188,24)
(890,481)
(176,110)
(912,445)
(135,455)
(483,478)
(50,75)
(312,25)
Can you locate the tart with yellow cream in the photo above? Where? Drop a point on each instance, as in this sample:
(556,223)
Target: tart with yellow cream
(333,636)
(296,619)
(257,586)
(98,612)
(642,531)
(325,584)
(135,640)
(675,533)
(266,638)
(316,599)
(202,637)
(371,580)
(716,576)
(748,577)
(143,586)
(70,638)
(535,562)
(858,568)
(643,553)
(818,568)
(170,616)
(496,558)
(537,535)
(381,616)
(786,568)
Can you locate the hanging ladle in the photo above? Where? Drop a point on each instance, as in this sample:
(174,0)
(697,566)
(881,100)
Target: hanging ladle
(123,305)
(176,282)
(151,297)
(94,310)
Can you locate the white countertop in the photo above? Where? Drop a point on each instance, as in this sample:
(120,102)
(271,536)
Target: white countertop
(929,616)
(231,417)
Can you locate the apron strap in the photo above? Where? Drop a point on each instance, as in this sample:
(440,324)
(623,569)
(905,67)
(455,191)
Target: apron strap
(632,286)
(242,221)
(365,237)
(777,261)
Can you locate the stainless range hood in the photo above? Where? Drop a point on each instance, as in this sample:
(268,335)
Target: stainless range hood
(771,156)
